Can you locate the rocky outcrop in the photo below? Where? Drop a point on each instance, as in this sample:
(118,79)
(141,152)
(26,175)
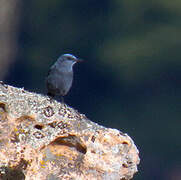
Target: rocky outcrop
(42,139)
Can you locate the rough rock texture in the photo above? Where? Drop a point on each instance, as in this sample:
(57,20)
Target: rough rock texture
(42,139)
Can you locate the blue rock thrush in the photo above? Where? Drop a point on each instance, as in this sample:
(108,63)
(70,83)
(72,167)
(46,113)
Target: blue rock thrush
(60,75)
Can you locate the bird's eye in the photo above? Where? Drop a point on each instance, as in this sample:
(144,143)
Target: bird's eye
(69,58)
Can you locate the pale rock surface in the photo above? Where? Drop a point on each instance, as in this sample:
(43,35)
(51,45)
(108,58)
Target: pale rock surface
(42,139)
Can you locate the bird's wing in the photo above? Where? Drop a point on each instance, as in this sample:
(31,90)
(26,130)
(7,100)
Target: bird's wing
(49,71)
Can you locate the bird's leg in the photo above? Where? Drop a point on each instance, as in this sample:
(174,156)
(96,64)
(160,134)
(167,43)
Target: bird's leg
(62,100)
(51,96)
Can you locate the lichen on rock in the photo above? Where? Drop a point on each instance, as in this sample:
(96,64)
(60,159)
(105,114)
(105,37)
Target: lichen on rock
(43,139)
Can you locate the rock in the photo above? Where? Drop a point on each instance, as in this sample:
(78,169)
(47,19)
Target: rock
(42,139)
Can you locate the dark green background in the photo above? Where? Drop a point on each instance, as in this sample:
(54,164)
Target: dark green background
(130,79)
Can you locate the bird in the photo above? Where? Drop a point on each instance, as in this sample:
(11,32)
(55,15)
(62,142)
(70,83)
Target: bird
(60,76)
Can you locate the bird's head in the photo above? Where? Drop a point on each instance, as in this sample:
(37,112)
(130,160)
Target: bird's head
(68,60)
(70,57)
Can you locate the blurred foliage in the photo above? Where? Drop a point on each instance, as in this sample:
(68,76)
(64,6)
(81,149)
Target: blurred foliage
(130,79)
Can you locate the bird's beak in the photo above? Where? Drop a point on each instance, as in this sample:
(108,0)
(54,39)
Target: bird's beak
(79,60)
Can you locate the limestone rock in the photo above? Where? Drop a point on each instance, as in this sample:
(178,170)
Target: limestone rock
(42,139)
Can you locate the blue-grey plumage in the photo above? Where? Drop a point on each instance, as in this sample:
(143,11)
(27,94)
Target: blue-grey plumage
(60,75)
